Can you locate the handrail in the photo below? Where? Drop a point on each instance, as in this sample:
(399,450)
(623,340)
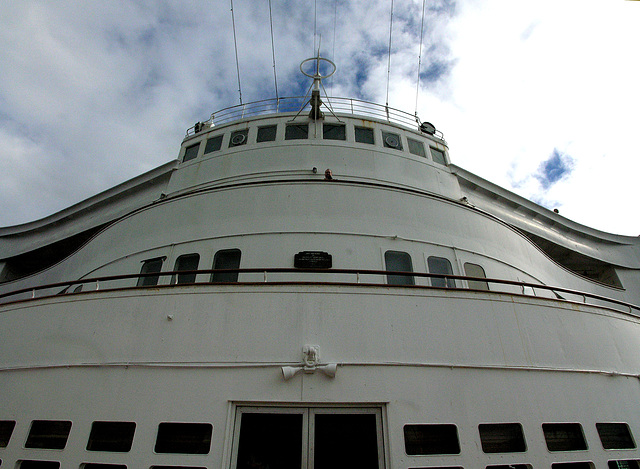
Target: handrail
(358,273)
(297,103)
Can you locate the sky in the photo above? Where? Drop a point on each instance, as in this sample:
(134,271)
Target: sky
(541,98)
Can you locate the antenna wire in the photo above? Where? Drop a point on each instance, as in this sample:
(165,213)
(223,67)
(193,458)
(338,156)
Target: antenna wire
(420,57)
(233,21)
(389,62)
(273,53)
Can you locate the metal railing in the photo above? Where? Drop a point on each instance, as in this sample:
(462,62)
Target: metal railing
(338,105)
(353,277)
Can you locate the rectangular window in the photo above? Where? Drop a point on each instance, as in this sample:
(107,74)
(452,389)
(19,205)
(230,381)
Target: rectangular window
(94,465)
(397,261)
(564,436)
(191,152)
(624,464)
(186,262)
(48,434)
(298,438)
(226,259)
(440,265)
(510,466)
(6,429)
(334,131)
(615,436)
(502,438)
(177,467)
(364,135)
(267,133)
(296,132)
(438,156)
(213,144)
(26,464)
(475,270)
(416,147)
(239,137)
(392,140)
(572,465)
(431,439)
(111,436)
(184,438)
(151,266)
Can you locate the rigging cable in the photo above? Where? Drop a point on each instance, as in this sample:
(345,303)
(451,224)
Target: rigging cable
(315,24)
(420,57)
(233,21)
(389,63)
(273,53)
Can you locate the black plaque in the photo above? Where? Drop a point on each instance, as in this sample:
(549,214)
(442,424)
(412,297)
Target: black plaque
(312,260)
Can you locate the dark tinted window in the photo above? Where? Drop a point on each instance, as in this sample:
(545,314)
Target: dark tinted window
(440,265)
(6,429)
(416,147)
(267,133)
(572,465)
(48,434)
(510,466)
(437,155)
(364,135)
(177,467)
(296,132)
(431,439)
(397,261)
(226,259)
(191,152)
(151,266)
(615,436)
(624,464)
(103,466)
(239,137)
(564,436)
(39,465)
(502,438)
(184,438)
(352,436)
(270,440)
(391,140)
(334,132)
(111,436)
(213,144)
(186,262)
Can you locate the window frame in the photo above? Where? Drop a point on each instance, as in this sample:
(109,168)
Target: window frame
(399,280)
(191,155)
(176,278)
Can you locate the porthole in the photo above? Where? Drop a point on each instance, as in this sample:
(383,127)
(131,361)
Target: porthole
(238,138)
(392,141)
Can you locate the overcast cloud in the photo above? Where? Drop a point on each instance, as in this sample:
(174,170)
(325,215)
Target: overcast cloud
(539,97)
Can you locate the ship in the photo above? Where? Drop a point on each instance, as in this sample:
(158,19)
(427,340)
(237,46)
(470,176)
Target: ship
(312,283)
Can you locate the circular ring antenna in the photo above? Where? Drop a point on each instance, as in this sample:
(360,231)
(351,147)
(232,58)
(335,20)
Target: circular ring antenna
(317,74)
(238,139)
(392,141)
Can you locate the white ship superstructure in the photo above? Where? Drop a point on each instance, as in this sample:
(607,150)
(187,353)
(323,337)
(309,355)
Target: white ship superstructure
(317,289)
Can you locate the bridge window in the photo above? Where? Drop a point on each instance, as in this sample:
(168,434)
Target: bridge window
(239,137)
(191,152)
(213,144)
(572,465)
(184,438)
(438,156)
(416,147)
(392,140)
(431,439)
(94,465)
(440,265)
(334,132)
(296,132)
(48,434)
(615,436)
(27,464)
(111,436)
(364,135)
(151,266)
(397,261)
(502,438)
(564,436)
(186,262)
(226,259)
(624,464)
(267,133)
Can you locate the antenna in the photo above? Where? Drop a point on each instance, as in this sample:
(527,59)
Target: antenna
(315,100)
(233,21)
(420,57)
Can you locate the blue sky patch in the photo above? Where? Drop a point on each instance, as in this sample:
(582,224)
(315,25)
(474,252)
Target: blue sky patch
(556,167)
